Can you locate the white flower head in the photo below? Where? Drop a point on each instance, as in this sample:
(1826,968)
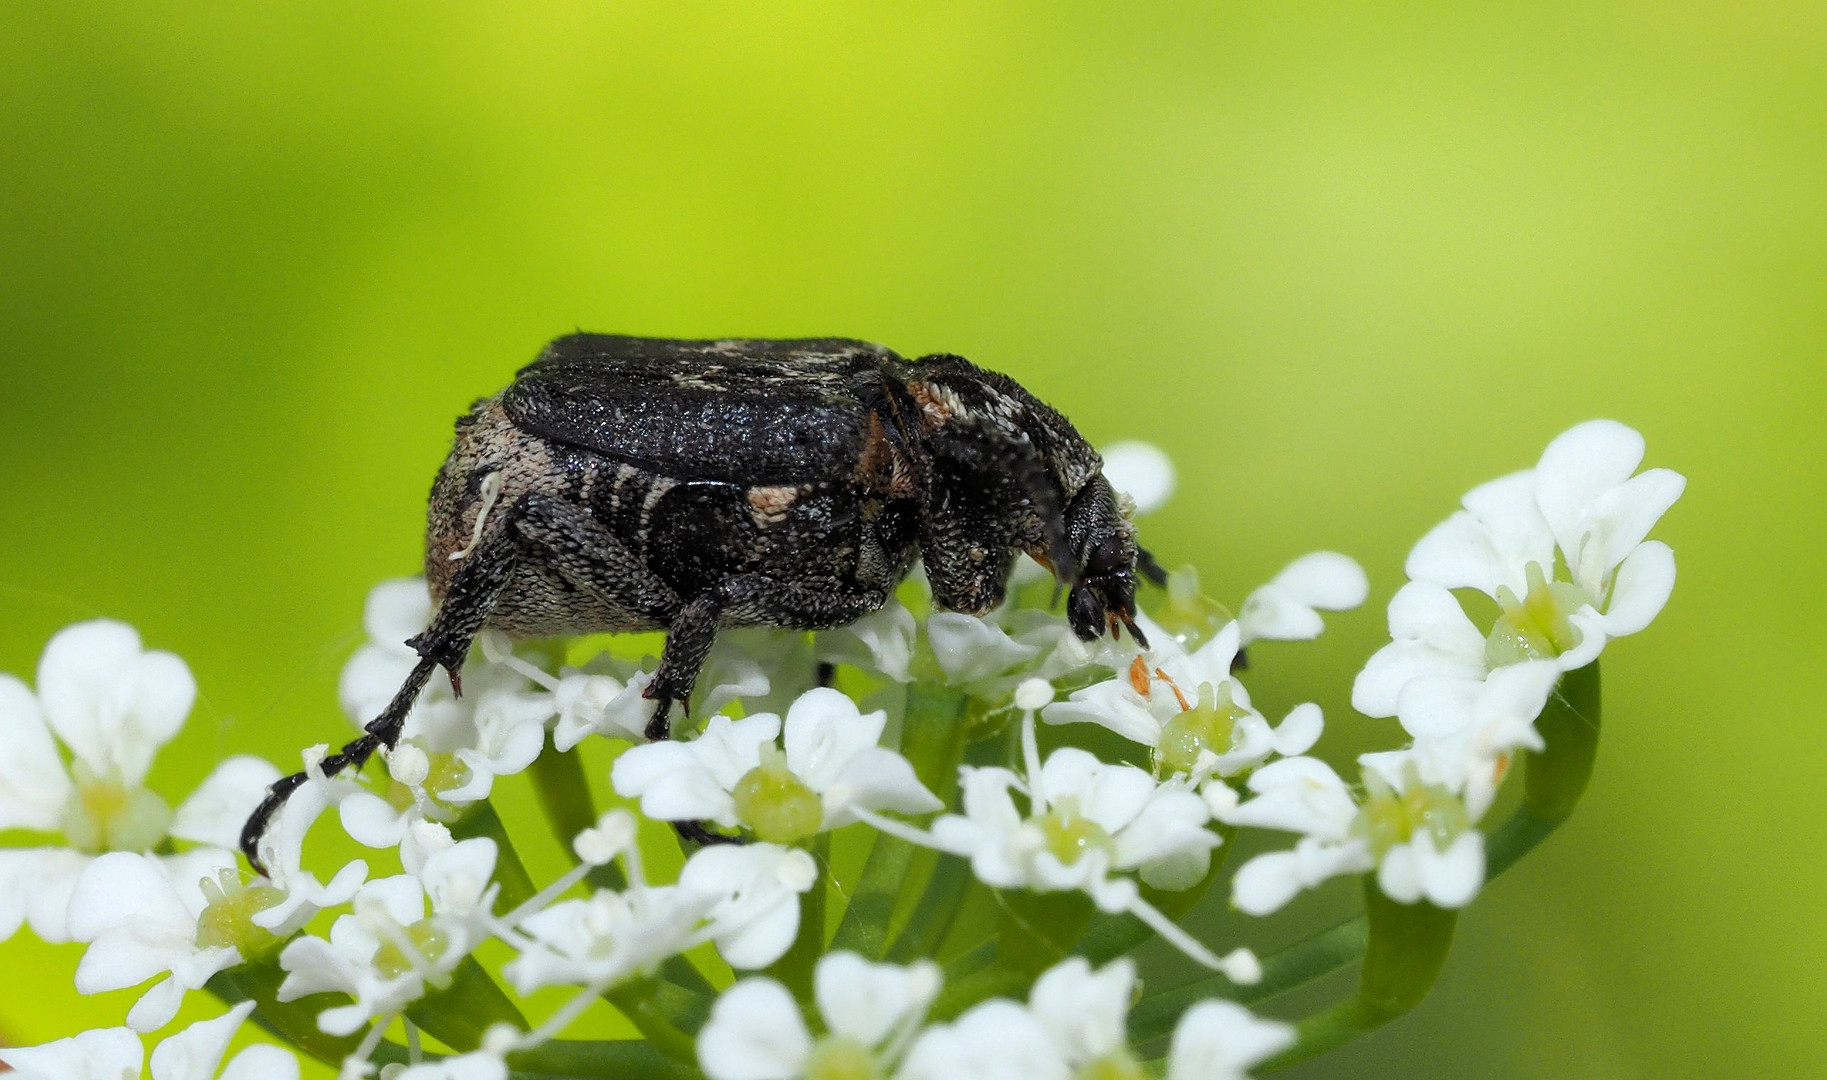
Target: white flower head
(140,916)
(753,893)
(826,768)
(1288,607)
(1582,504)
(1417,834)
(475,1065)
(1220,1040)
(112,705)
(1189,709)
(191,1054)
(390,951)
(756,1032)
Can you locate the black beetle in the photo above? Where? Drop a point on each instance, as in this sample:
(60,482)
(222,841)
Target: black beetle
(625,483)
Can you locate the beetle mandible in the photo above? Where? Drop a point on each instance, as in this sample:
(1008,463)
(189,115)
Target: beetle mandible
(625,483)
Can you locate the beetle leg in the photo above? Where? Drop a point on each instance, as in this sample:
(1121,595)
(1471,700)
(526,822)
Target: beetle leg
(748,600)
(445,643)
(592,558)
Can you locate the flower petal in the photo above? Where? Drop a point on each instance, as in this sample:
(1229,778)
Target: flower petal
(823,731)
(1219,1040)
(754,1032)
(194,1053)
(1141,471)
(1580,464)
(102,1054)
(110,702)
(1641,589)
(33,782)
(216,811)
(865,1001)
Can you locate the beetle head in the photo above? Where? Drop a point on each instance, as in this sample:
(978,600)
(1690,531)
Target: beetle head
(1104,590)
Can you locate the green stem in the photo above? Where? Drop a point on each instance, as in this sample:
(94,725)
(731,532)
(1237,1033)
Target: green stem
(458,1015)
(1332,950)
(564,795)
(645,1004)
(1407,947)
(1111,936)
(932,739)
(933,913)
(794,968)
(510,873)
(613,1059)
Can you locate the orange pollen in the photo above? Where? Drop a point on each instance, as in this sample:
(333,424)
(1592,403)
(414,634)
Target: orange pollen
(1138,676)
(1185,705)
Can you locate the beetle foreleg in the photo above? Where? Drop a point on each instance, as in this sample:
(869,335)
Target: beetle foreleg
(445,643)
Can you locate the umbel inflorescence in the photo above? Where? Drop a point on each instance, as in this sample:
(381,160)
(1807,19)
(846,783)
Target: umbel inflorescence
(1002,871)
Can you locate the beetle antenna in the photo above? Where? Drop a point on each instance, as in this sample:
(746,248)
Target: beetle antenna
(1151,569)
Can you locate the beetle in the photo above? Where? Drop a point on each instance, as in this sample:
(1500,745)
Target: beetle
(628,484)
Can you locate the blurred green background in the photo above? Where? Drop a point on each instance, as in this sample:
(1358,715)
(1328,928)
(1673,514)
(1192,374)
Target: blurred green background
(1342,262)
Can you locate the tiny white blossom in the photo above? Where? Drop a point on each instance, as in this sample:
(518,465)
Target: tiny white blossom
(881,641)
(994,1040)
(1085,1011)
(139,916)
(755,1031)
(475,1065)
(1418,835)
(605,938)
(755,890)
(190,1054)
(112,704)
(1220,1040)
(1288,607)
(389,951)
(1085,823)
(1189,708)
(827,767)
(1582,502)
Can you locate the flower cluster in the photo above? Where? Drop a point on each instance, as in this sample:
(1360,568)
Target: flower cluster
(996,874)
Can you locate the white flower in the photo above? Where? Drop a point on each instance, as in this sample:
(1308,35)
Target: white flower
(755,1031)
(1582,501)
(609,937)
(112,704)
(1287,608)
(996,1040)
(1141,471)
(1189,709)
(191,1054)
(1085,1012)
(1085,822)
(734,774)
(475,1065)
(881,641)
(140,918)
(1219,1040)
(1418,835)
(389,951)
(754,891)
(1430,635)
(971,649)
(1465,731)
